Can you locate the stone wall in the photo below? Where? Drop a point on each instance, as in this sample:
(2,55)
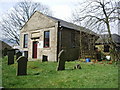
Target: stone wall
(72,51)
(68,38)
(40,23)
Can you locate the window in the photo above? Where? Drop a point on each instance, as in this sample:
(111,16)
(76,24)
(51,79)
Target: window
(73,39)
(106,48)
(25,41)
(85,41)
(46,39)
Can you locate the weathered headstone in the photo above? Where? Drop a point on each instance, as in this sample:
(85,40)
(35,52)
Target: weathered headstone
(22,66)
(5,52)
(18,54)
(16,51)
(61,60)
(10,54)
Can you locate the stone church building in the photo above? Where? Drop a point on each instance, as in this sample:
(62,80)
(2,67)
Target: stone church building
(42,37)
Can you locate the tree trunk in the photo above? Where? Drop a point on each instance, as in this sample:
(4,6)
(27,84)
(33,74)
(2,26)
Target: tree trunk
(113,53)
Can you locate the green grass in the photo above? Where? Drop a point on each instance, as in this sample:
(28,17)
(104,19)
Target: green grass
(44,75)
(0,72)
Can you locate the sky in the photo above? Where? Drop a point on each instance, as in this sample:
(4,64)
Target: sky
(61,8)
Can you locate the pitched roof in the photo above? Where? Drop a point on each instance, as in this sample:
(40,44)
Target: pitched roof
(72,26)
(65,24)
(4,45)
(104,38)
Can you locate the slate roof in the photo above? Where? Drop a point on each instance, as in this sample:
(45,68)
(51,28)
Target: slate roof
(4,45)
(68,24)
(72,26)
(104,39)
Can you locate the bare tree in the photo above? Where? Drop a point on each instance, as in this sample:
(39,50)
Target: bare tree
(13,21)
(99,16)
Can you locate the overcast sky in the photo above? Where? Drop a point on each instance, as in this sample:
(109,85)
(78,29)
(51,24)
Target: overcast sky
(61,8)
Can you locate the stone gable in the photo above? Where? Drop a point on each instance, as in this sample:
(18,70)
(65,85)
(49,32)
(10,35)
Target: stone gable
(38,21)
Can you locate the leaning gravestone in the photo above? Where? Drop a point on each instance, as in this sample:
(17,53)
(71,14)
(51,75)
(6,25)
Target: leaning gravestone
(18,54)
(22,66)
(10,54)
(61,60)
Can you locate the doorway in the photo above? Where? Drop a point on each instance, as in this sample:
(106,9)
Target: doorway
(35,49)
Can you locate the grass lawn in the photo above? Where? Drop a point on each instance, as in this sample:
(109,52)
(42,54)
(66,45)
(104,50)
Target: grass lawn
(44,75)
(0,73)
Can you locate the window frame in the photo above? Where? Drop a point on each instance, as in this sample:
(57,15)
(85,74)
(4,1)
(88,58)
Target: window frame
(73,39)
(25,42)
(45,38)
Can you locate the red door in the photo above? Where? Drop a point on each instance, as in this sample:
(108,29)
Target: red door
(35,49)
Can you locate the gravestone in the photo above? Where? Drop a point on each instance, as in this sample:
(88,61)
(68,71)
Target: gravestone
(5,52)
(16,51)
(10,54)
(18,54)
(22,66)
(61,60)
